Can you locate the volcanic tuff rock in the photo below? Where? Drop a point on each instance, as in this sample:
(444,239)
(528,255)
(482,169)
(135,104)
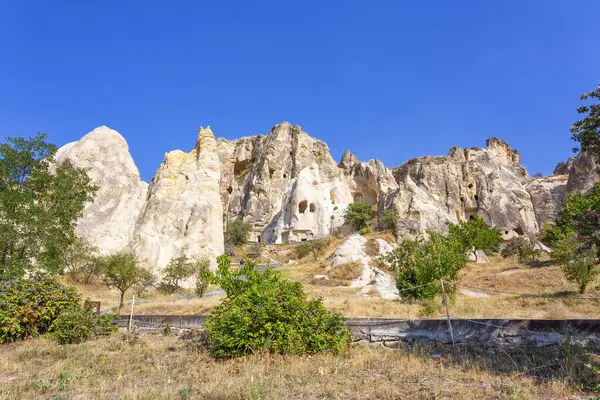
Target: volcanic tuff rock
(488,182)
(109,221)
(183,211)
(289,188)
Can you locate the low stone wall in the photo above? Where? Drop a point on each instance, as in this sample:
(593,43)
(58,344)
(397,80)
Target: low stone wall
(487,333)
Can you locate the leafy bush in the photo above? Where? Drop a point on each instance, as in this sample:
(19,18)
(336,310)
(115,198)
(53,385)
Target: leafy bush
(358,215)
(388,219)
(122,270)
(302,249)
(267,312)
(29,306)
(522,248)
(74,326)
(237,232)
(420,265)
(203,276)
(146,281)
(179,268)
(475,234)
(579,263)
(78,325)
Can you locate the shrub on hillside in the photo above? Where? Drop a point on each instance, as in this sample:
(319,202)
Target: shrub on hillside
(203,276)
(266,312)
(302,250)
(388,219)
(522,248)
(358,215)
(237,232)
(179,268)
(29,306)
(420,265)
(475,234)
(78,325)
(316,248)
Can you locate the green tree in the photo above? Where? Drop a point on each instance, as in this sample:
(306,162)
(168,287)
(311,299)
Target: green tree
(522,248)
(203,276)
(587,130)
(179,268)
(388,219)
(266,312)
(579,262)
(358,215)
(420,265)
(39,206)
(122,270)
(81,260)
(147,280)
(237,232)
(474,235)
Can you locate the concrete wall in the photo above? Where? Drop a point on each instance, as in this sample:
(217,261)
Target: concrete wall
(490,333)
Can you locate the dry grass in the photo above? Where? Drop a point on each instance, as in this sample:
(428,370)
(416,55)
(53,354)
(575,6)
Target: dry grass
(348,271)
(372,248)
(477,280)
(157,367)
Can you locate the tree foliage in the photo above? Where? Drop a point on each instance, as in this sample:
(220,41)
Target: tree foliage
(420,265)
(39,206)
(179,268)
(388,219)
(587,130)
(203,276)
(266,312)
(237,232)
(579,263)
(122,270)
(522,248)
(475,234)
(358,215)
(28,306)
(81,260)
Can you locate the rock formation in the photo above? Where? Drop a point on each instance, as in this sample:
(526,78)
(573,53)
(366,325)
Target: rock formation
(288,187)
(488,182)
(183,211)
(109,221)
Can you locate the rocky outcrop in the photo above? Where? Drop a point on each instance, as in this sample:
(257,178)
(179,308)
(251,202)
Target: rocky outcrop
(488,182)
(583,174)
(353,250)
(109,221)
(548,196)
(563,168)
(183,211)
(289,188)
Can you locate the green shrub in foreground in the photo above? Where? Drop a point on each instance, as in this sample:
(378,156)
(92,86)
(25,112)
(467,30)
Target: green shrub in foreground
(78,325)
(29,306)
(266,312)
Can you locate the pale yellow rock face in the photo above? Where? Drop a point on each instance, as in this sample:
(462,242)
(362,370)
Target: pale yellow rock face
(183,211)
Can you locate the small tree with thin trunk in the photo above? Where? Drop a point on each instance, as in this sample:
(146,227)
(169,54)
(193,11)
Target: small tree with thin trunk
(358,215)
(122,270)
(474,235)
(579,262)
(203,276)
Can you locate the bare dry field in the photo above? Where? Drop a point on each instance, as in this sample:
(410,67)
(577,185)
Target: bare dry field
(159,367)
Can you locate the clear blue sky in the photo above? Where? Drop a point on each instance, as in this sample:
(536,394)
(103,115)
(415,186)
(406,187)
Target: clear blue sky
(385,79)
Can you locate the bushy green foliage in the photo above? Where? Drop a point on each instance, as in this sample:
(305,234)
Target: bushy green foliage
(579,263)
(77,325)
(420,265)
(475,234)
(302,249)
(29,306)
(81,262)
(237,232)
(358,215)
(522,248)
(179,268)
(122,270)
(587,130)
(388,219)
(39,207)
(147,280)
(203,276)
(266,312)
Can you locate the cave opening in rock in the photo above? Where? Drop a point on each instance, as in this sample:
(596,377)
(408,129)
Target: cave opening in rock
(312,208)
(302,206)
(229,190)
(284,176)
(240,167)
(271,171)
